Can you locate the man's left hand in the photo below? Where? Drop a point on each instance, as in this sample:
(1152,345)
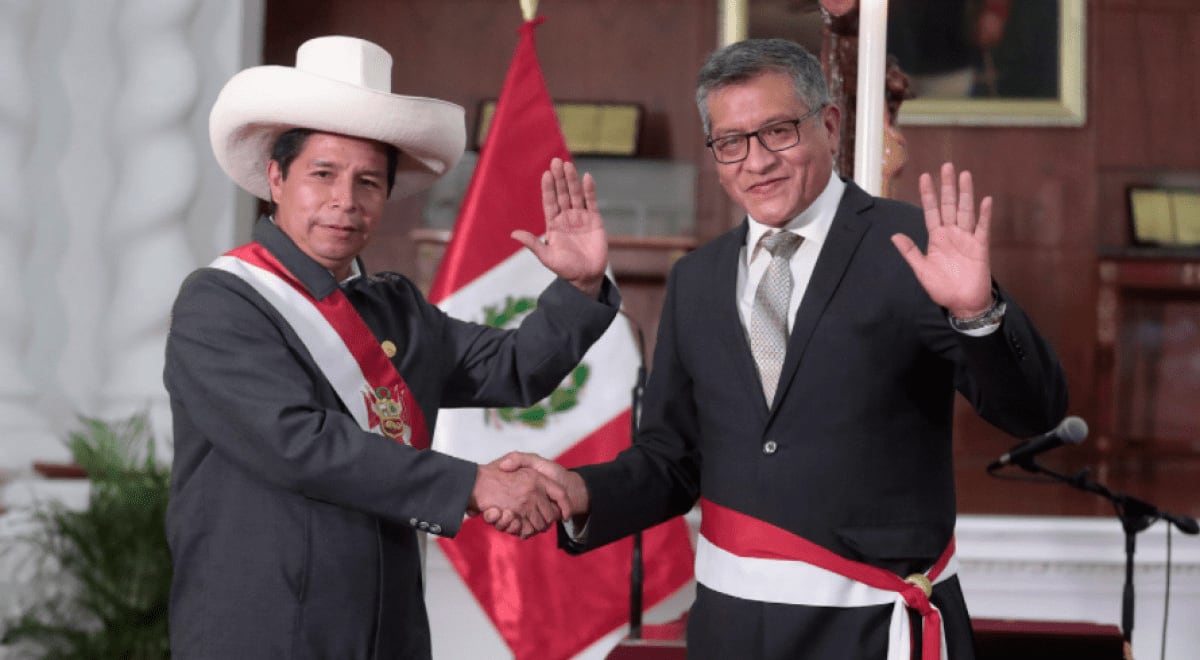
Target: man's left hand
(575,246)
(955,269)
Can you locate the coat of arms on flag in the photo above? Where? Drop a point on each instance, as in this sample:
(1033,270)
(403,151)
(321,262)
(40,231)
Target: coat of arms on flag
(564,398)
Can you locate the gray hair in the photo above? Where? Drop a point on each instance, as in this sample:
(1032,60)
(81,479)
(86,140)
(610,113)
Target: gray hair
(743,60)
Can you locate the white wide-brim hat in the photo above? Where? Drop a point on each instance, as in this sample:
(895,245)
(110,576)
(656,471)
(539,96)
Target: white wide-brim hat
(339,85)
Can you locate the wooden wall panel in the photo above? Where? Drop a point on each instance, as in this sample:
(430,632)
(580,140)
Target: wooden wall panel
(1043,223)
(618,50)
(1146,83)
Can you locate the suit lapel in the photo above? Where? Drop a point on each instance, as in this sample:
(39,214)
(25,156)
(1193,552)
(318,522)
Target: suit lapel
(848,228)
(731,331)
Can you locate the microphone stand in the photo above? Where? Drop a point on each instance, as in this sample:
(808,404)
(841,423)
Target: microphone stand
(1135,515)
(635,573)
(636,577)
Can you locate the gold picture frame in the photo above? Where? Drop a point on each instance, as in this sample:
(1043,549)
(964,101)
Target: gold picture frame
(1068,108)
(590,129)
(1165,217)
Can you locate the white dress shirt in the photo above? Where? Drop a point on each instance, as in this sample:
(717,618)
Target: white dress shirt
(813,225)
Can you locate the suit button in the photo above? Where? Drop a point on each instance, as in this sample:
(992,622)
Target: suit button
(770,447)
(435,529)
(412,522)
(423,526)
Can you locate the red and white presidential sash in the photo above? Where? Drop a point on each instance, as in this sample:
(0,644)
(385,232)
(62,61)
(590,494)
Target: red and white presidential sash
(748,558)
(344,348)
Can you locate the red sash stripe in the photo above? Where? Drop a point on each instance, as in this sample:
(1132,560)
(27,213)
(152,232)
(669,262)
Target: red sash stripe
(746,536)
(361,342)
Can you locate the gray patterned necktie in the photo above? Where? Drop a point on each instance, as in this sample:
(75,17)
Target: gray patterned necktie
(768,319)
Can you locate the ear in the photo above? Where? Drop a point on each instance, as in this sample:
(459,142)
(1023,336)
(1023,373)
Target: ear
(831,119)
(275,180)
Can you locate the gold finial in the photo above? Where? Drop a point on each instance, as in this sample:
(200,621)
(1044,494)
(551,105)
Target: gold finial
(529,9)
(734,16)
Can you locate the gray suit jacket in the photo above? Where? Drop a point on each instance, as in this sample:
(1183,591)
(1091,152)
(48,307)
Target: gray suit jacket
(854,455)
(294,532)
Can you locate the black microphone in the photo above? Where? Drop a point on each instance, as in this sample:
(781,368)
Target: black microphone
(1071,431)
(1185,524)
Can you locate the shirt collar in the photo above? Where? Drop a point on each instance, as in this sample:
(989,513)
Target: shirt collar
(355,273)
(813,223)
(315,277)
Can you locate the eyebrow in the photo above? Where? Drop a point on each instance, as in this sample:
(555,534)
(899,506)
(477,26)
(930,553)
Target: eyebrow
(768,122)
(332,165)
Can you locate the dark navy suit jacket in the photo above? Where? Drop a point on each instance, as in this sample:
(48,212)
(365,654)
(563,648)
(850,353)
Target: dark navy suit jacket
(293,531)
(860,431)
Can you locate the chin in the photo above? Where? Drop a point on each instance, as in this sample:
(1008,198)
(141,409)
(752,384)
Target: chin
(771,219)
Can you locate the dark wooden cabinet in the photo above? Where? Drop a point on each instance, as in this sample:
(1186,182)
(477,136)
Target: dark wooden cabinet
(995,639)
(1147,374)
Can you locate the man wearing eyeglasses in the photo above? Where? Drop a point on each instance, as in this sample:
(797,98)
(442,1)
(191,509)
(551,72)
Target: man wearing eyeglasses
(803,389)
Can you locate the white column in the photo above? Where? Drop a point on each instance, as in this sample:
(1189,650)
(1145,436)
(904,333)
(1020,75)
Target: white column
(872,67)
(111,196)
(21,426)
(155,179)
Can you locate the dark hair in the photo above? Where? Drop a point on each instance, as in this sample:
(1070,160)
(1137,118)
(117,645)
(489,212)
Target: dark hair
(291,142)
(743,60)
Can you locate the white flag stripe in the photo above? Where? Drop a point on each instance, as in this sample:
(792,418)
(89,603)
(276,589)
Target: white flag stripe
(519,275)
(612,361)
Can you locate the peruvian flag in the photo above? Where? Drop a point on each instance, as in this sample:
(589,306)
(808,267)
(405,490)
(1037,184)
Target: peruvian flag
(544,603)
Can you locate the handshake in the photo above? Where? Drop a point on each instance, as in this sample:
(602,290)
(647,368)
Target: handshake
(524,494)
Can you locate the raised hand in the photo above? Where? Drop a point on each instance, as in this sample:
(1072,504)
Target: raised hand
(575,246)
(955,270)
(522,500)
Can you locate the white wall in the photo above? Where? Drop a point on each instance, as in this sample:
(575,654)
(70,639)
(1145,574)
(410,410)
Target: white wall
(111,196)
(1056,568)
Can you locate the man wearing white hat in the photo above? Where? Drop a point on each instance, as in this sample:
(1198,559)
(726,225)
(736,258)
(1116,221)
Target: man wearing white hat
(304,391)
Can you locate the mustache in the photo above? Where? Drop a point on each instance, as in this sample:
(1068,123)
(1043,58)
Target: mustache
(347,223)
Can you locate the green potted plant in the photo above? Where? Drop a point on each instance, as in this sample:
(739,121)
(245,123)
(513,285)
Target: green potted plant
(104,572)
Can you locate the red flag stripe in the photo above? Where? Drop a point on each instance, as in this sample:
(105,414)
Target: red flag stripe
(530,588)
(497,202)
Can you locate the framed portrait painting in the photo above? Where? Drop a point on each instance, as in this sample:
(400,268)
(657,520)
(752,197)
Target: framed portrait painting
(969,62)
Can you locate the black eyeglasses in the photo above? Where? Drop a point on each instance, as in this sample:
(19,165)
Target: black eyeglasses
(776,136)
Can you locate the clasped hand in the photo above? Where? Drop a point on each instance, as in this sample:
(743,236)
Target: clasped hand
(519,501)
(524,494)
